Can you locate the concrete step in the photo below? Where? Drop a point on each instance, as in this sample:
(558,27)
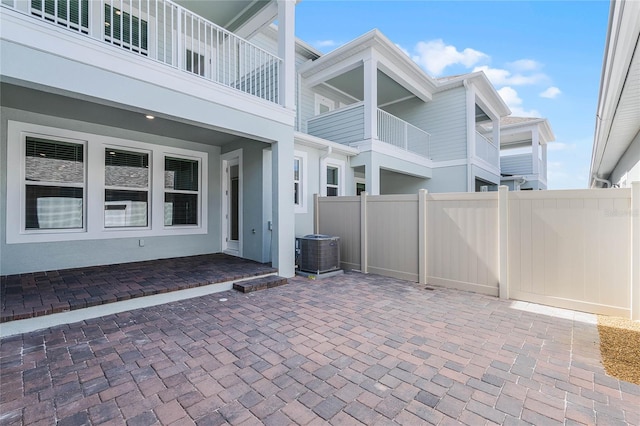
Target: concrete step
(261,283)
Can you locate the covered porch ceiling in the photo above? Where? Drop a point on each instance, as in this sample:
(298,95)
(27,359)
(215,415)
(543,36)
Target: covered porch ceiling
(352,83)
(232,14)
(398,77)
(111,115)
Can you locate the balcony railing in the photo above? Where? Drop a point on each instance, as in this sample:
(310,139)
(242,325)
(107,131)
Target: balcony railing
(166,32)
(487,151)
(346,126)
(395,131)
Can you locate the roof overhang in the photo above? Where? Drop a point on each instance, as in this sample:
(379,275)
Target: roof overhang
(618,113)
(521,131)
(391,61)
(319,143)
(483,86)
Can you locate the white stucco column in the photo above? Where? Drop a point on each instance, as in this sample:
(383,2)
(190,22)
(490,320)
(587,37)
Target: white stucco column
(370,100)
(283,233)
(287,52)
(544,163)
(372,176)
(535,144)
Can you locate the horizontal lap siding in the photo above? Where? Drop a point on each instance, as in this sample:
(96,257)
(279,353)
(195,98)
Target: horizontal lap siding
(571,249)
(444,117)
(516,164)
(342,127)
(392,223)
(340,216)
(462,240)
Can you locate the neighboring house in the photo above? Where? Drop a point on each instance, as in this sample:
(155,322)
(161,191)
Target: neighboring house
(523,152)
(134,130)
(615,160)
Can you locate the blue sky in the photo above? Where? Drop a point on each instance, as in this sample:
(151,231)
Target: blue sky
(544,57)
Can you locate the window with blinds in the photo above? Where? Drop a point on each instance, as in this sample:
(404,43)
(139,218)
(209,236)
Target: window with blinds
(181,191)
(125,30)
(54,184)
(73,14)
(126,194)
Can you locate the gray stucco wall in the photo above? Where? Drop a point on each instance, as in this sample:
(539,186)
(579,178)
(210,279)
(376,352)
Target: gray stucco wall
(448,179)
(397,183)
(253,198)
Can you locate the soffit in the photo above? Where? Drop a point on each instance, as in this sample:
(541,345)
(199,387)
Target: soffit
(229,14)
(352,83)
(112,116)
(626,120)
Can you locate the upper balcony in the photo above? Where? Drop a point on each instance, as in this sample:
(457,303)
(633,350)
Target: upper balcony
(487,150)
(166,32)
(347,126)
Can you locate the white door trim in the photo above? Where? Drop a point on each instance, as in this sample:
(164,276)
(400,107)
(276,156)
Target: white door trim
(229,159)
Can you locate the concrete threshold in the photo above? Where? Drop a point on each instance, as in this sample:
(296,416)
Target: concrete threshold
(28,325)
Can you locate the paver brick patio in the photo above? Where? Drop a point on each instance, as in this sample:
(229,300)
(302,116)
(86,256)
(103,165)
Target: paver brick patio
(353,349)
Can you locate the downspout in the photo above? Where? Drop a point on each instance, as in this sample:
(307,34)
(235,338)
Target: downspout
(521,182)
(604,181)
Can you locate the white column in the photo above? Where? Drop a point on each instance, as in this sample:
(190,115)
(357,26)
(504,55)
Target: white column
(535,143)
(371,99)
(544,164)
(283,234)
(372,176)
(287,52)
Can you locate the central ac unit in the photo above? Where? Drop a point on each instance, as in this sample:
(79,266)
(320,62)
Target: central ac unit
(319,253)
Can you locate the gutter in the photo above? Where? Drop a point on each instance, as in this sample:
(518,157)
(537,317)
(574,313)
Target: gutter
(595,178)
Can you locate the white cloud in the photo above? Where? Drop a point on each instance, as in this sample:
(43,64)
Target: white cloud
(514,102)
(503,77)
(435,56)
(325,43)
(551,93)
(522,65)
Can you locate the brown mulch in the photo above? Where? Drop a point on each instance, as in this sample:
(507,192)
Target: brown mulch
(620,347)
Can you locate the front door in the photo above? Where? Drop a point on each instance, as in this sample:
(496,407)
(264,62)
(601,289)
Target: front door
(232,204)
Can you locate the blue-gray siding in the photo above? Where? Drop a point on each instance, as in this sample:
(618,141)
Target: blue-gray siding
(516,164)
(444,118)
(342,127)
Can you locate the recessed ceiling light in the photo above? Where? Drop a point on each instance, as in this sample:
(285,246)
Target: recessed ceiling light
(149,116)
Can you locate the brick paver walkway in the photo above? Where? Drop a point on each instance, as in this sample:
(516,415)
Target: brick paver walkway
(349,350)
(43,293)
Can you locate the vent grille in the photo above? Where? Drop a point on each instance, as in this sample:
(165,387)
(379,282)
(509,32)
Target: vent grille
(319,253)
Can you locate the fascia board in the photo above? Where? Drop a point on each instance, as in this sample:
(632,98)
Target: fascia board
(397,72)
(319,143)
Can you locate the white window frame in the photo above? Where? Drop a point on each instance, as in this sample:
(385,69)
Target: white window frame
(93,222)
(301,206)
(322,100)
(341,166)
(23,184)
(178,191)
(148,189)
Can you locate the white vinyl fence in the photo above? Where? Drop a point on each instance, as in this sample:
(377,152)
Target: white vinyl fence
(577,249)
